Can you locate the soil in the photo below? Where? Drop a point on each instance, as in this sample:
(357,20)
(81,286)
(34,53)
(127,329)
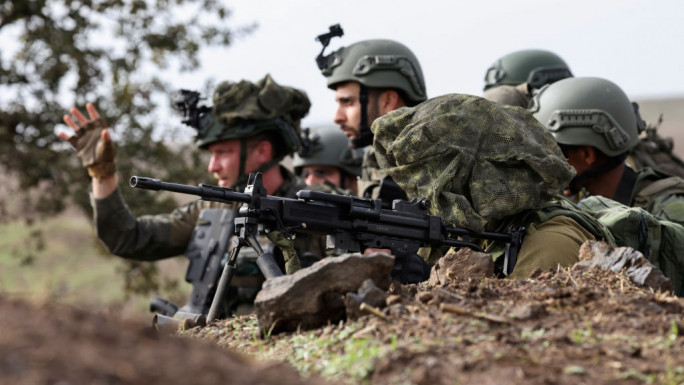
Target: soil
(52,344)
(573,326)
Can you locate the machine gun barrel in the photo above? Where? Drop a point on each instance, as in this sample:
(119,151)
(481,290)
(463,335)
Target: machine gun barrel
(204,191)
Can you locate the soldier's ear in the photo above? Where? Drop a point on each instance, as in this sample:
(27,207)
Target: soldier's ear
(389,100)
(589,155)
(264,151)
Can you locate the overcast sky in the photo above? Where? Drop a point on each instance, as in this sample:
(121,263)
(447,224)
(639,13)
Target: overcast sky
(637,44)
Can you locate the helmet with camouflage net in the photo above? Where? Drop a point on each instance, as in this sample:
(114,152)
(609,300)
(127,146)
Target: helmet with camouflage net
(534,66)
(378,64)
(587,112)
(244,109)
(474,160)
(329,147)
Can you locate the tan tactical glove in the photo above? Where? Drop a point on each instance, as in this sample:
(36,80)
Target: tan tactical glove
(95,154)
(286,245)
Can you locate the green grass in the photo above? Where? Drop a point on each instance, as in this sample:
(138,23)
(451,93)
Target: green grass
(60,260)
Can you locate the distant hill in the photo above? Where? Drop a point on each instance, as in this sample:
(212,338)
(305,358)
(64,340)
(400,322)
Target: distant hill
(673,118)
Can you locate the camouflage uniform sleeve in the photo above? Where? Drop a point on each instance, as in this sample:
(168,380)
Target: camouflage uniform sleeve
(371,175)
(149,237)
(548,245)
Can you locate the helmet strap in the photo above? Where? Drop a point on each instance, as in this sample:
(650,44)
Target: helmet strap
(596,172)
(243,177)
(343,176)
(365,137)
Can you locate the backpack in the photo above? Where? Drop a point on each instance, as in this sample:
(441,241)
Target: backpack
(662,198)
(658,239)
(655,151)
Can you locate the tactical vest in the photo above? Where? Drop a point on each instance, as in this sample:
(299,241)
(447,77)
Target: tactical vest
(658,239)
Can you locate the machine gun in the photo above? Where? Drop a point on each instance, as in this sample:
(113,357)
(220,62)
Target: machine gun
(351,223)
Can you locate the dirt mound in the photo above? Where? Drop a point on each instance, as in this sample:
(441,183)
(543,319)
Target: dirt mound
(65,345)
(574,326)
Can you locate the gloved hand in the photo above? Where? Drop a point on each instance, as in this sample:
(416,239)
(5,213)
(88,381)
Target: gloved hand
(92,142)
(286,245)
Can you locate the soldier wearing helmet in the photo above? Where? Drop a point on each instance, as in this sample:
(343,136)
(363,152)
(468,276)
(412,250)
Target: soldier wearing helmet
(327,159)
(514,78)
(596,126)
(370,79)
(249,128)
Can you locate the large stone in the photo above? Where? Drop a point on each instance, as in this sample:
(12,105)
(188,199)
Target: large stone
(458,266)
(623,259)
(314,296)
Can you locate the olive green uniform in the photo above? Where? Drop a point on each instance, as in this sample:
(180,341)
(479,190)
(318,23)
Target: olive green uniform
(371,175)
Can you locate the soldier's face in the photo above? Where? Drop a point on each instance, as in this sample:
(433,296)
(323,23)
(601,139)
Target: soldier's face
(348,114)
(314,175)
(225,161)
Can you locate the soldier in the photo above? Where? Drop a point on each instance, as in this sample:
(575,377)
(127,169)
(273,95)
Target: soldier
(370,79)
(492,168)
(595,126)
(513,79)
(251,127)
(327,159)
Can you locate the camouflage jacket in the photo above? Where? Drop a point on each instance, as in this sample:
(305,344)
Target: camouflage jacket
(371,175)
(154,237)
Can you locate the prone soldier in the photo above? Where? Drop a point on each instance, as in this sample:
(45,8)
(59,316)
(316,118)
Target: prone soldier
(596,127)
(326,159)
(250,128)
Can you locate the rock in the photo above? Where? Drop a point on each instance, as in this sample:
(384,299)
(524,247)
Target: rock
(369,294)
(623,259)
(458,266)
(314,296)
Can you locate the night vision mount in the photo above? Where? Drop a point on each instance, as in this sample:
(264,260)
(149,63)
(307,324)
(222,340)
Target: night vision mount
(333,31)
(193,115)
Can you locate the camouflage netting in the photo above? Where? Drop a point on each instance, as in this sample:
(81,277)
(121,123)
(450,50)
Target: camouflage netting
(235,103)
(475,160)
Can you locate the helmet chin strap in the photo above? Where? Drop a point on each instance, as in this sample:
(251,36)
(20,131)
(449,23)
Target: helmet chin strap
(365,137)
(243,177)
(575,183)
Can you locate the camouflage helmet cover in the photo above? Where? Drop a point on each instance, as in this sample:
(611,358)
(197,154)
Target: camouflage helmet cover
(245,109)
(588,112)
(329,147)
(533,66)
(378,64)
(475,160)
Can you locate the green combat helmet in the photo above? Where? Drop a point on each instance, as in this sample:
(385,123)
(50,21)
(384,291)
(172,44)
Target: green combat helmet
(328,147)
(534,67)
(588,112)
(242,110)
(476,161)
(373,64)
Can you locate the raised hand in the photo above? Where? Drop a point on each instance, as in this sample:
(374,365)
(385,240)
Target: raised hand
(92,142)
